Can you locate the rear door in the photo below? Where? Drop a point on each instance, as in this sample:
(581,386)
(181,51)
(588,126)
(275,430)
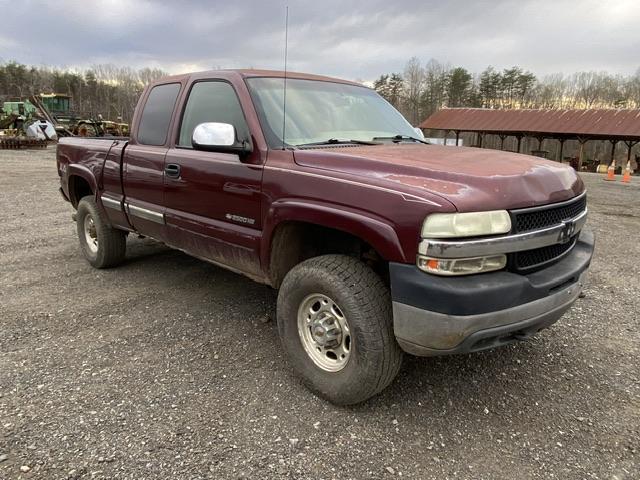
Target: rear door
(212,199)
(143,174)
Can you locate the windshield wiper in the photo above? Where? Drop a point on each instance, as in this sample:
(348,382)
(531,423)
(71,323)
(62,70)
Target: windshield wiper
(336,141)
(400,138)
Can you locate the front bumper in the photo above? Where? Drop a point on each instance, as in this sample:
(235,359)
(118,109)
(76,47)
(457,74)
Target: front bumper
(443,315)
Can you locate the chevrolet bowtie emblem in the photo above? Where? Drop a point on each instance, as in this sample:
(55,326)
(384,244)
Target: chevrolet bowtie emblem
(567,231)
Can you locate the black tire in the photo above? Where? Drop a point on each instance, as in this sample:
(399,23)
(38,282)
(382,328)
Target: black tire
(111,242)
(375,357)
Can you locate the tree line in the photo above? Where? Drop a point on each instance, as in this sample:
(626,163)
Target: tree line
(422,89)
(106,90)
(417,91)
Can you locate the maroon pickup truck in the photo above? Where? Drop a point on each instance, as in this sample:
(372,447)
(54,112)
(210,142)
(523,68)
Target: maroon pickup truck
(378,242)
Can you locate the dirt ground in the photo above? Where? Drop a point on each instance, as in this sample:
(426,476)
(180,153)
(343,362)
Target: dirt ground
(163,369)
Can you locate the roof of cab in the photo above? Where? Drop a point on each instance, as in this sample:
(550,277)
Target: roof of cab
(280,74)
(249,73)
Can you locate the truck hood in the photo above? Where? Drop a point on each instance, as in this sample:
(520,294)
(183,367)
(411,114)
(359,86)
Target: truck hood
(472,179)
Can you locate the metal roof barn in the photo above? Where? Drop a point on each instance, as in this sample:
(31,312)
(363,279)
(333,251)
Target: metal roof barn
(562,125)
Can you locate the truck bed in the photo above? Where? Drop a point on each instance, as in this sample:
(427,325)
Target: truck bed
(99,157)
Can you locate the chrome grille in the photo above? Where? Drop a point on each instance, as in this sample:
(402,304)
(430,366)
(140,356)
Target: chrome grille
(537,218)
(540,217)
(538,257)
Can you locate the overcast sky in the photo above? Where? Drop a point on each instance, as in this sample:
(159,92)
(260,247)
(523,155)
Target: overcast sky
(350,39)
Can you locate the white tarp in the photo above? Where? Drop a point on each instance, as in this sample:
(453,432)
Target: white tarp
(451,142)
(42,130)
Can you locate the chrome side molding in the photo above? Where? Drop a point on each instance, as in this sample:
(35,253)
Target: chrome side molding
(145,213)
(109,202)
(139,212)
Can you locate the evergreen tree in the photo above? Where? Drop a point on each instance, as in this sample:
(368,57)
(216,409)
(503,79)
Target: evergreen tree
(459,88)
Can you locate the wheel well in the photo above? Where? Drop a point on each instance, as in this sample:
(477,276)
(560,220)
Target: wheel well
(294,242)
(78,188)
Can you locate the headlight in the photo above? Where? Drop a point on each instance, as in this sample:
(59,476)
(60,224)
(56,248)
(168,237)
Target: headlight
(461,266)
(472,224)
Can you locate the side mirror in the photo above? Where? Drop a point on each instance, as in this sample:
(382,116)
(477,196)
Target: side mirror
(219,137)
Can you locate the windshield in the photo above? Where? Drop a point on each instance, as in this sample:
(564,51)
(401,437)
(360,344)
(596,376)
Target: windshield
(318,111)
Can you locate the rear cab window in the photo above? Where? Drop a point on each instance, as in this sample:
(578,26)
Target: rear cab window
(156,114)
(211,101)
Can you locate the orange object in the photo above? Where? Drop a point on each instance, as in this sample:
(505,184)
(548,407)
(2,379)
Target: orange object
(611,172)
(626,178)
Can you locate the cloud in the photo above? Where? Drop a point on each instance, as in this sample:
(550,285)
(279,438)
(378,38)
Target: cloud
(355,39)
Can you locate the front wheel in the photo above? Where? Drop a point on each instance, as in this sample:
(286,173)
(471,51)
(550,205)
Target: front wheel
(102,245)
(335,323)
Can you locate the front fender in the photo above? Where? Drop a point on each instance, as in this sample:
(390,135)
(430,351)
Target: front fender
(368,227)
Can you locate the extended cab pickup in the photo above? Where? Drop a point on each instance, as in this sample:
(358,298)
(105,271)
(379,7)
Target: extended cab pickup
(378,242)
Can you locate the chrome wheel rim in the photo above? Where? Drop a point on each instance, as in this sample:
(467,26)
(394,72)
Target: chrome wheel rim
(90,234)
(324,332)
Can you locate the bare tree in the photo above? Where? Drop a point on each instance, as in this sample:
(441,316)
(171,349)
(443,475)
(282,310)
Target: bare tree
(434,93)
(413,84)
(551,92)
(632,90)
(588,88)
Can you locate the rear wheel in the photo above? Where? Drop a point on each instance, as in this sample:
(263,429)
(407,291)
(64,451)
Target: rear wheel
(102,245)
(335,323)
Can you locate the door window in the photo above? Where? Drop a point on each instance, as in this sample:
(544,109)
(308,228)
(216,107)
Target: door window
(156,114)
(211,102)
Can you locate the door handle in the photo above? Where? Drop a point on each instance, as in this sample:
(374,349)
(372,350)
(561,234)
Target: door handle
(172,170)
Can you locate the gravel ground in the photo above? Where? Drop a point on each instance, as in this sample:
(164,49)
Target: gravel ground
(163,369)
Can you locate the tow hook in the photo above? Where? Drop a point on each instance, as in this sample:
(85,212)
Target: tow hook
(73,216)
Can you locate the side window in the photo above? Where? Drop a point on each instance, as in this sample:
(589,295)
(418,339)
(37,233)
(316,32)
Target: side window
(211,102)
(156,115)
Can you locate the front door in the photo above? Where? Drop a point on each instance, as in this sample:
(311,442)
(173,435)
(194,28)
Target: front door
(212,199)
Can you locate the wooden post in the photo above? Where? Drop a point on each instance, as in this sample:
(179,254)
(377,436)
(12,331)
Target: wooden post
(502,137)
(582,141)
(613,151)
(629,145)
(457,137)
(444,140)
(580,156)
(480,137)
(519,137)
(561,149)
